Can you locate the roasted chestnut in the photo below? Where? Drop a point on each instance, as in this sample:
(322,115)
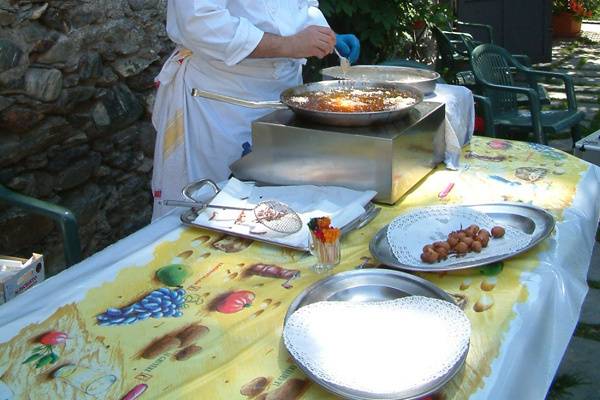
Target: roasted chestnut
(498,232)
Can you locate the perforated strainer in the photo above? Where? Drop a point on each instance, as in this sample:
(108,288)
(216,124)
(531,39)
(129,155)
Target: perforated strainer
(276,216)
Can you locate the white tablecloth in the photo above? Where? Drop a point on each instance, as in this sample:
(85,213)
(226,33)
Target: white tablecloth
(460,119)
(523,368)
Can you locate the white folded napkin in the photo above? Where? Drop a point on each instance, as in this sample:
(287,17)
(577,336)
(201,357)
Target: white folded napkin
(341,204)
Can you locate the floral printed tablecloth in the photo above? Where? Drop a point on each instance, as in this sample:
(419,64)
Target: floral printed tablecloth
(108,328)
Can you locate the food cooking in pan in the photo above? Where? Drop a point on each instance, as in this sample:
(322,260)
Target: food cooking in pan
(354,100)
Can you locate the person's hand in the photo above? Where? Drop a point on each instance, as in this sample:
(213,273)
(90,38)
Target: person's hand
(312,41)
(348,46)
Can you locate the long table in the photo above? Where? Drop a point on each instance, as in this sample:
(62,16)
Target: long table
(227,342)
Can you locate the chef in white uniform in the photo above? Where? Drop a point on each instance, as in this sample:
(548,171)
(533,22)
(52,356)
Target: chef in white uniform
(247,49)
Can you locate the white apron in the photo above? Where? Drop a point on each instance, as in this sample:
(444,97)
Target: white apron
(199,138)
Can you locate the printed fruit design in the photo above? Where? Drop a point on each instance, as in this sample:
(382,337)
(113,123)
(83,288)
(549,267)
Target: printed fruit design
(231,244)
(136,392)
(182,342)
(531,174)
(291,389)
(273,271)
(173,275)
(163,302)
(44,355)
(492,269)
(54,337)
(255,387)
(235,302)
(499,145)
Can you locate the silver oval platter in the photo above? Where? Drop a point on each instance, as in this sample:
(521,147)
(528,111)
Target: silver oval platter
(529,219)
(367,285)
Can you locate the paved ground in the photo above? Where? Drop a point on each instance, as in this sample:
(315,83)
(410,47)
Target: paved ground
(592,31)
(580,59)
(578,377)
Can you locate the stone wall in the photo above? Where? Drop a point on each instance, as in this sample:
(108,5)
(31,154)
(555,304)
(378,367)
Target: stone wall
(76,89)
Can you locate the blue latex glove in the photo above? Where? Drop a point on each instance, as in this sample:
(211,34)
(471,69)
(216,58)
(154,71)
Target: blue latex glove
(246,148)
(348,46)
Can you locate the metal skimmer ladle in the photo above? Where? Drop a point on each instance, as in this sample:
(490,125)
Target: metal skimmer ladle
(277,216)
(344,62)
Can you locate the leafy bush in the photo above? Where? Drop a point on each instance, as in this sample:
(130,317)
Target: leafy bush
(386,28)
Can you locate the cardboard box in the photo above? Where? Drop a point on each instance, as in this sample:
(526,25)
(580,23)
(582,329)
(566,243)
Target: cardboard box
(19,274)
(588,148)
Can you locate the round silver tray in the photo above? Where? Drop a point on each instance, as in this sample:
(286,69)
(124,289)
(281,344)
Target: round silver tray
(529,219)
(422,79)
(373,285)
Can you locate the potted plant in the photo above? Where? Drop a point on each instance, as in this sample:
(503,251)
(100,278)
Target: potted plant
(567,16)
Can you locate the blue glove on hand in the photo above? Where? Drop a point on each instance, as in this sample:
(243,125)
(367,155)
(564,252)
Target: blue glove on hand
(348,46)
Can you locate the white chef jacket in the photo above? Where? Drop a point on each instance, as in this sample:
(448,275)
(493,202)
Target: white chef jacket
(199,138)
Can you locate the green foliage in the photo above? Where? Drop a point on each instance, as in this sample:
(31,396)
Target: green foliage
(562,385)
(581,62)
(588,331)
(594,126)
(384,27)
(594,284)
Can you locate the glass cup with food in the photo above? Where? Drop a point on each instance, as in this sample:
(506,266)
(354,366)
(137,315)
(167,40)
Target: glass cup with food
(325,244)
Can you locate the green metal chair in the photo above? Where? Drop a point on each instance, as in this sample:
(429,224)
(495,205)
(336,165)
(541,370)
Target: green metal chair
(470,43)
(488,29)
(453,57)
(492,66)
(484,107)
(62,216)
(455,50)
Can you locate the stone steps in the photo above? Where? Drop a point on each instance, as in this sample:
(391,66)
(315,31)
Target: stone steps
(573,57)
(580,77)
(582,97)
(590,110)
(565,145)
(591,90)
(565,56)
(579,80)
(590,67)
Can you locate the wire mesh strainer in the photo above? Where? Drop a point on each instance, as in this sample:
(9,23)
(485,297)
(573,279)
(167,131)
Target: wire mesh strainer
(275,215)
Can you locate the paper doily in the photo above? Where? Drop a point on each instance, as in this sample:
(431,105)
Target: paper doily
(408,233)
(382,348)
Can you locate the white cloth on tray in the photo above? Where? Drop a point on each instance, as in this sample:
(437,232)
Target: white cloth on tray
(341,204)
